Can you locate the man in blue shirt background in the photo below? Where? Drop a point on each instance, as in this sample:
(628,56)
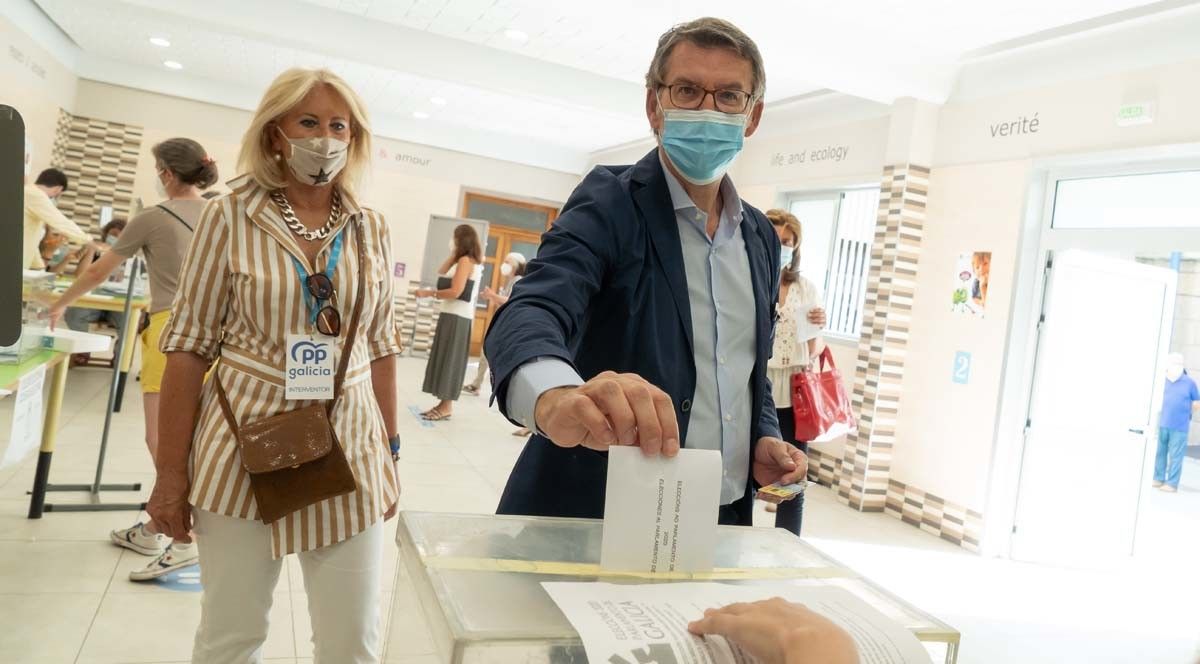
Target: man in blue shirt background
(1179,400)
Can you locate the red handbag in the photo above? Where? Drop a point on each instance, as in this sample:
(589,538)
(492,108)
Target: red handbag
(820,403)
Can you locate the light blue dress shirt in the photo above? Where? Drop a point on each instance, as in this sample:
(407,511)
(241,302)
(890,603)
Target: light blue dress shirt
(721,296)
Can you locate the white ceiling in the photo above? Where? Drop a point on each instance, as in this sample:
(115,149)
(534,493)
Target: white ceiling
(575,85)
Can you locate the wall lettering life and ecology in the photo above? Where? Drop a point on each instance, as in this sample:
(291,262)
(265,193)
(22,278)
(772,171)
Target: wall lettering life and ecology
(1021,125)
(830,153)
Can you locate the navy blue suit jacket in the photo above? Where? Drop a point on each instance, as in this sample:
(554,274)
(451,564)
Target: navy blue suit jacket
(608,292)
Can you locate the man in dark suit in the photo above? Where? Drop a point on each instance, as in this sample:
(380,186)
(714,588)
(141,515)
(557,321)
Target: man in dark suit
(647,317)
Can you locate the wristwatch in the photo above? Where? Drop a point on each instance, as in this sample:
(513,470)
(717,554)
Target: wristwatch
(394,444)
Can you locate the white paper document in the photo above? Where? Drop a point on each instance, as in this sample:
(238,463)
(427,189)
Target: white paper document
(647,623)
(660,514)
(26,433)
(804,329)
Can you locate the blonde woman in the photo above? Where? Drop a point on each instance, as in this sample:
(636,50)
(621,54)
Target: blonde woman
(289,254)
(798,300)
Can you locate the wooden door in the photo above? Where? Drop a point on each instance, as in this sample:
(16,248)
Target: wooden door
(513,226)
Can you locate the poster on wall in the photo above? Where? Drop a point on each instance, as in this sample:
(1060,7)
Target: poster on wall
(971,275)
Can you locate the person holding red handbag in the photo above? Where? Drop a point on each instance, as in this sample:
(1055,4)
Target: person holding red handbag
(798,300)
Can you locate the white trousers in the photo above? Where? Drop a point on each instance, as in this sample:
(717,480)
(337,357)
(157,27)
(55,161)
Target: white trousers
(239,577)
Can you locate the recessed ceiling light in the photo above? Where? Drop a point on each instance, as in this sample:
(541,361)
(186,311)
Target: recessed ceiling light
(160,41)
(439,101)
(517,35)
(420,115)
(171,64)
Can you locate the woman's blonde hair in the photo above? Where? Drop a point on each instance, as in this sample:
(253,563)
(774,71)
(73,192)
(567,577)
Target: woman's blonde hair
(285,92)
(791,273)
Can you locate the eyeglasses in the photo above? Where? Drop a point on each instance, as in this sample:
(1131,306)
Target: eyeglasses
(329,321)
(690,97)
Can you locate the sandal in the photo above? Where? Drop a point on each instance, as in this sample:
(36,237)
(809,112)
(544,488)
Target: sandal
(435,415)
(471,390)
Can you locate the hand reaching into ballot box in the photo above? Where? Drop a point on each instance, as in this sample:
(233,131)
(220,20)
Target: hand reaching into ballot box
(610,409)
(776,461)
(779,632)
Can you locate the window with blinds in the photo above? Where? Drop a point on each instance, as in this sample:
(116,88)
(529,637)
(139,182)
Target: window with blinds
(835,251)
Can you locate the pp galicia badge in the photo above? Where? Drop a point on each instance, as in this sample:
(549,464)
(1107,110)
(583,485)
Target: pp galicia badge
(309,373)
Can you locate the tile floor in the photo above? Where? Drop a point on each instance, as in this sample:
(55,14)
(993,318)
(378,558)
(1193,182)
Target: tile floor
(65,596)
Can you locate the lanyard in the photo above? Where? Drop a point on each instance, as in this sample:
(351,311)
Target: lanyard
(334,254)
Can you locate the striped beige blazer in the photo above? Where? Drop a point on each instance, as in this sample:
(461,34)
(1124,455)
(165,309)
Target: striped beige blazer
(239,297)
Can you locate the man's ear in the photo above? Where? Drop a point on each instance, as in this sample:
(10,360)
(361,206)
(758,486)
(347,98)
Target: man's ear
(755,118)
(653,115)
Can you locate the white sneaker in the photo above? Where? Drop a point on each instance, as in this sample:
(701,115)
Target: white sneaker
(137,539)
(177,556)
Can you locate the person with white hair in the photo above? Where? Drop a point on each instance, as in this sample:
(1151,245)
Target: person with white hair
(1180,399)
(512,269)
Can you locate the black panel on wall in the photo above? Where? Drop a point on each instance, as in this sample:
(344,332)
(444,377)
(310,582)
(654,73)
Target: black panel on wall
(12,220)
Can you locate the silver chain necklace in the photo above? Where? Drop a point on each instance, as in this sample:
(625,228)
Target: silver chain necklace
(289,216)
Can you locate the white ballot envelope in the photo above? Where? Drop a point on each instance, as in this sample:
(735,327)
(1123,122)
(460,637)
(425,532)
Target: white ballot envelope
(660,514)
(804,329)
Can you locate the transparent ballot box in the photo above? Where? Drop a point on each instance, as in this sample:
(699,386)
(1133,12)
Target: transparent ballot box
(468,587)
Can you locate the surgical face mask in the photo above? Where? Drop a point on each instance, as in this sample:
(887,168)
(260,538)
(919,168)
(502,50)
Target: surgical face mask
(159,187)
(110,240)
(59,254)
(785,257)
(506,269)
(702,144)
(318,160)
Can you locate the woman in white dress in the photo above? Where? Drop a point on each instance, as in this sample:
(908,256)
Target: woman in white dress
(792,354)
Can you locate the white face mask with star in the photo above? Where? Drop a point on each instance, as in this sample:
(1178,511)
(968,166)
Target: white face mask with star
(316,161)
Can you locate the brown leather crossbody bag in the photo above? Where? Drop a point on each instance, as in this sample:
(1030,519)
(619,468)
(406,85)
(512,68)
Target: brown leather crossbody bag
(294,459)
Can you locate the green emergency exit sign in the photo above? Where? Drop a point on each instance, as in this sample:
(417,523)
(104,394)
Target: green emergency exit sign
(1135,114)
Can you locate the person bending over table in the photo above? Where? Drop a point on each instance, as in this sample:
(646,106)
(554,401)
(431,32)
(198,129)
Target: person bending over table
(162,233)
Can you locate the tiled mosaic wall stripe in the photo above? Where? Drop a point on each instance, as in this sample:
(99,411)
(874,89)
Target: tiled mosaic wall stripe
(100,159)
(823,468)
(953,523)
(879,372)
(418,319)
(949,521)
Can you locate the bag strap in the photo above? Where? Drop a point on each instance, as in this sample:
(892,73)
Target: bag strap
(172,213)
(826,358)
(355,317)
(347,349)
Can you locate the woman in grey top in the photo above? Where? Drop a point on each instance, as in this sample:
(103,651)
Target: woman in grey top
(162,234)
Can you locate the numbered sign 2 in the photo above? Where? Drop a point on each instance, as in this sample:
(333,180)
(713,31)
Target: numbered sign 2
(962,367)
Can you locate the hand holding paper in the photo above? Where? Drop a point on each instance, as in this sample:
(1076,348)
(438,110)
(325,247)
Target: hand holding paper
(626,624)
(779,632)
(610,409)
(811,323)
(660,515)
